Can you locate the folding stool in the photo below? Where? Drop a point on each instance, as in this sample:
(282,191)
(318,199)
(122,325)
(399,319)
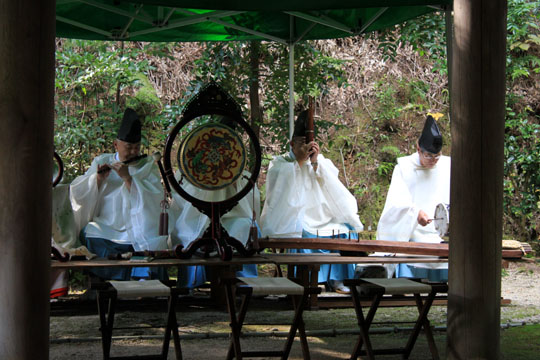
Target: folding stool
(374,289)
(113,290)
(247,287)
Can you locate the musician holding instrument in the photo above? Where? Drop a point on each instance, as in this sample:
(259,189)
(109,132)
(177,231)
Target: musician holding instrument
(117,202)
(419,182)
(305,198)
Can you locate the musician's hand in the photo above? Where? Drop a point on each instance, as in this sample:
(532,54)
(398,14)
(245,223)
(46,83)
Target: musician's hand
(423,218)
(103,172)
(313,152)
(301,151)
(123,171)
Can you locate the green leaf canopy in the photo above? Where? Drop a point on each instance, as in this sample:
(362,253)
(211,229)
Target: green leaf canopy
(283,21)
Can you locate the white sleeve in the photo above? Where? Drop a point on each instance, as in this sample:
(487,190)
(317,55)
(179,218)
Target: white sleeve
(399,217)
(145,199)
(84,196)
(340,200)
(238,221)
(282,213)
(64,232)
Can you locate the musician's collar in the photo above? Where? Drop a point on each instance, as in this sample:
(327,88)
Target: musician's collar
(291,154)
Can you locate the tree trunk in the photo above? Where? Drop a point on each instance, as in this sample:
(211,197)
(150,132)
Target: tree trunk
(254,100)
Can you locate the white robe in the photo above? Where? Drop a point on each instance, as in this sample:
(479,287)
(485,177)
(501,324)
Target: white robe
(414,188)
(191,223)
(299,198)
(115,213)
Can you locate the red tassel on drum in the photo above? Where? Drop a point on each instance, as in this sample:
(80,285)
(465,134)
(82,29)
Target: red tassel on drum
(254,237)
(163,224)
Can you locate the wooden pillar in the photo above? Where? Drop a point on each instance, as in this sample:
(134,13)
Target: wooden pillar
(27,30)
(477,121)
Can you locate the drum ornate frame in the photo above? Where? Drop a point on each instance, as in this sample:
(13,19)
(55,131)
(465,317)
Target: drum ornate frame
(58,177)
(213,100)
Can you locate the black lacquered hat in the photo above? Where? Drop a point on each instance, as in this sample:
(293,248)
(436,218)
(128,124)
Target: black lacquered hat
(431,138)
(130,129)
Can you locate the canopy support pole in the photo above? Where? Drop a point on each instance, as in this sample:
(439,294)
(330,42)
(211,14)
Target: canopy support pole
(291,89)
(478,112)
(291,77)
(26,145)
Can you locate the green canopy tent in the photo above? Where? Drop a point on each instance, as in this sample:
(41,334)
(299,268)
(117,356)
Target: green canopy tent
(286,22)
(281,21)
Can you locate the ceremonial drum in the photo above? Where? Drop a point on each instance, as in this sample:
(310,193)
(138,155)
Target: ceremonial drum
(442,219)
(212,156)
(218,159)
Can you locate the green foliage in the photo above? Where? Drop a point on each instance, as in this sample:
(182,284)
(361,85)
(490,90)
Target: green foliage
(387,103)
(522,172)
(93,80)
(388,156)
(228,65)
(522,126)
(516,342)
(523,38)
(427,36)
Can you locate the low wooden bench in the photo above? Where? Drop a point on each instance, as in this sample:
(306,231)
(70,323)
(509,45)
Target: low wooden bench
(375,289)
(247,287)
(107,295)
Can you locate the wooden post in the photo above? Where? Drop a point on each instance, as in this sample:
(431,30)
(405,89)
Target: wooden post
(477,116)
(27,30)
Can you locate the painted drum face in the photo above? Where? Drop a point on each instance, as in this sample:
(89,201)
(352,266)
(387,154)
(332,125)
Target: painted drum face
(212,156)
(442,219)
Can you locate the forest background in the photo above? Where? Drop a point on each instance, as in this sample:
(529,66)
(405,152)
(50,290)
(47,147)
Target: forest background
(372,94)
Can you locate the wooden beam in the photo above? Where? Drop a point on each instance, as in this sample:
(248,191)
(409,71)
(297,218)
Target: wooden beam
(27,31)
(477,115)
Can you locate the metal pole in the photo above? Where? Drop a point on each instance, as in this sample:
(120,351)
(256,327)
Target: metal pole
(291,75)
(291,89)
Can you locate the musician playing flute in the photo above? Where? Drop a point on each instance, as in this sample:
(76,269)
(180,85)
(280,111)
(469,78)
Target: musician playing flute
(117,202)
(305,198)
(419,182)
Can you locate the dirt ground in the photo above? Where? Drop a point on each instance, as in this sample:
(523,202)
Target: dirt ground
(204,327)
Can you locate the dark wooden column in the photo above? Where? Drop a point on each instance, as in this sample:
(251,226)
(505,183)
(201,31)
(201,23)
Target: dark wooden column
(27,30)
(477,116)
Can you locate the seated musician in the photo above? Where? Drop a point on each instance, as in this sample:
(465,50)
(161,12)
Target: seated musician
(190,224)
(419,182)
(305,198)
(117,203)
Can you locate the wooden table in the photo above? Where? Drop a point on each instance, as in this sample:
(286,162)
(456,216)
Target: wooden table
(307,265)
(278,259)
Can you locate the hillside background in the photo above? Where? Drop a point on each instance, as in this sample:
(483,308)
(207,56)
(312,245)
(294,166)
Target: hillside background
(372,95)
